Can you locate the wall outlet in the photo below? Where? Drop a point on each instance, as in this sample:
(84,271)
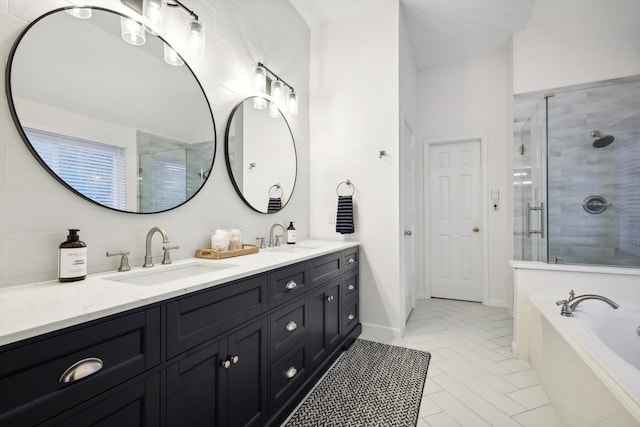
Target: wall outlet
(332,217)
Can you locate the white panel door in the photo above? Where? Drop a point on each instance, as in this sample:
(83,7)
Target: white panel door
(408,281)
(455,247)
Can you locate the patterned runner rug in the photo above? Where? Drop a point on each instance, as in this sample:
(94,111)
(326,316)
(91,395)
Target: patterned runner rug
(371,384)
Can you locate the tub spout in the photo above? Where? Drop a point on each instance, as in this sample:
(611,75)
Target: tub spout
(568,306)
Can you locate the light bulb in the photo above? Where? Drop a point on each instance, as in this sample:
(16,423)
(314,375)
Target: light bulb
(155,16)
(171,57)
(195,37)
(80,12)
(132,31)
(292,103)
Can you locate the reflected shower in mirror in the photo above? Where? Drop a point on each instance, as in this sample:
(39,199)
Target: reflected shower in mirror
(111,121)
(261,156)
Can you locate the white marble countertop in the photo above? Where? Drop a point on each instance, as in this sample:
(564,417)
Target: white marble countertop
(37,308)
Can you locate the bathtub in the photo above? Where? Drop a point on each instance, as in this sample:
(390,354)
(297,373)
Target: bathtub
(589,364)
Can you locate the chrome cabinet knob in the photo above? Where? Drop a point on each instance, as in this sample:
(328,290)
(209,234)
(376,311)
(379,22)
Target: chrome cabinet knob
(351,287)
(351,317)
(329,298)
(292,326)
(235,360)
(351,261)
(407,232)
(476,229)
(291,285)
(226,364)
(291,372)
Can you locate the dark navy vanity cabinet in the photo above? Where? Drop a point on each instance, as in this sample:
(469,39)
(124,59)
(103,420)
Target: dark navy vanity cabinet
(242,353)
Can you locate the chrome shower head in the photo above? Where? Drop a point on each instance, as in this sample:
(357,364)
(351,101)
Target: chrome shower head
(601,141)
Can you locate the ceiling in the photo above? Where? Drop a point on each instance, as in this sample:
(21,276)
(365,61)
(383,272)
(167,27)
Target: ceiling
(442,31)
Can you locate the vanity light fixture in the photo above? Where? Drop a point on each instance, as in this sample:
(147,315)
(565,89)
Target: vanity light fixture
(277,91)
(154,18)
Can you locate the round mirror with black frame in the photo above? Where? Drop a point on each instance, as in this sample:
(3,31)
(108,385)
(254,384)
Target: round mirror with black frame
(260,153)
(111,121)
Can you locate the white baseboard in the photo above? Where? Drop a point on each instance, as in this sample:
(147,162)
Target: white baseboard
(381,331)
(496,303)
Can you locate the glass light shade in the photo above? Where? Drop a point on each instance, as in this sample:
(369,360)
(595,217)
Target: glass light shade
(260,80)
(80,12)
(292,103)
(277,93)
(195,37)
(259,103)
(132,32)
(154,13)
(171,57)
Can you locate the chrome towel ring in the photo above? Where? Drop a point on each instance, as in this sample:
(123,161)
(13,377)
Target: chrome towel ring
(276,187)
(347,183)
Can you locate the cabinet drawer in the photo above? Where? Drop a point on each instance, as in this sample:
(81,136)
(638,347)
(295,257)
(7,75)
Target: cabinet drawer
(287,375)
(199,317)
(350,316)
(325,268)
(350,286)
(350,259)
(288,325)
(288,283)
(31,375)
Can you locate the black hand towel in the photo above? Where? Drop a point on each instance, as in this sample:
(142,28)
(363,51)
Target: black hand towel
(344,215)
(275,204)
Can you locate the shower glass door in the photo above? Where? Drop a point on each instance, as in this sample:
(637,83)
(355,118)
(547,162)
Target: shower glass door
(532,180)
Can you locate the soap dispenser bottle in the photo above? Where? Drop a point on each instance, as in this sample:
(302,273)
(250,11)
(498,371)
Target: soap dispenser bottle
(291,234)
(72,258)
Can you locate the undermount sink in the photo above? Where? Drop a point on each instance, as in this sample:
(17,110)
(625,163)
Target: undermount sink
(291,248)
(162,274)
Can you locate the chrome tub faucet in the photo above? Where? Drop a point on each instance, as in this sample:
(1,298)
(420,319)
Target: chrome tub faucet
(568,306)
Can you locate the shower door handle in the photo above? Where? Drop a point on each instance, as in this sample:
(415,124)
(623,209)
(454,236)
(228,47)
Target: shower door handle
(535,208)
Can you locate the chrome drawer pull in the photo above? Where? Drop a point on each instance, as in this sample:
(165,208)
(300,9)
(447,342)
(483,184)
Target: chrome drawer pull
(351,261)
(351,317)
(291,326)
(351,287)
(81,369)
(291,372)
(291,285)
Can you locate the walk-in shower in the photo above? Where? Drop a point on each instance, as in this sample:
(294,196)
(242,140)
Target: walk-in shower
(577,192)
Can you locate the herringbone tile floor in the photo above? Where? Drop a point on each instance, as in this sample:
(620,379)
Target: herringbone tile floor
(473,378)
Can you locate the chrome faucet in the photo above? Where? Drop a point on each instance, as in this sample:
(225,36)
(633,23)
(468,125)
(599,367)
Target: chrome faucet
(148,259)
(271,240)
(568,306)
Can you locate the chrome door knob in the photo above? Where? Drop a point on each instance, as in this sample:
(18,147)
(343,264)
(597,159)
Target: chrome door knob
(476,229)
(407,232)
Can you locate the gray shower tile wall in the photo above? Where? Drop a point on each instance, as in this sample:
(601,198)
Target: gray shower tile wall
(577,170)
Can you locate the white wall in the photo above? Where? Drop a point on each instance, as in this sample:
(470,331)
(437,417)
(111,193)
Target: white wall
(35,210)
(569,42)
(355,108)
(472,99)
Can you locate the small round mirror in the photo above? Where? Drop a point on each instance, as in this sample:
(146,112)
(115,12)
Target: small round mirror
(261,155)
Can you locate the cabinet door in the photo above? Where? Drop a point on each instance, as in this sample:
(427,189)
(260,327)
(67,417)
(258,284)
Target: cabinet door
(137,405)
(324,322)
(196,388)
(247,376)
